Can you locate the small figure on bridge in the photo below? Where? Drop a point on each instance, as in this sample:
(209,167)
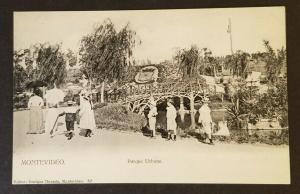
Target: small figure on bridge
(152,116)
(171,121)
(206,120)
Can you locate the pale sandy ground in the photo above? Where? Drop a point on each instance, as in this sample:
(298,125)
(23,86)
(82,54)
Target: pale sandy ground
(103,158)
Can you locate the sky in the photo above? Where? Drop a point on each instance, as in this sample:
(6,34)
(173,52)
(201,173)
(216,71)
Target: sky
(162,32)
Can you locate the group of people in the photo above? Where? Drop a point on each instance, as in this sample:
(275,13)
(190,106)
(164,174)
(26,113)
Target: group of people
(52,114)
(171,119)
(205,120)
(87,118)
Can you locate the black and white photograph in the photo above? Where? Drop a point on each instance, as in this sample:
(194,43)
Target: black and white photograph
(151,96)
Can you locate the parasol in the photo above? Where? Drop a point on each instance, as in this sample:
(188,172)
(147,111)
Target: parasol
(35,84)
(54,96)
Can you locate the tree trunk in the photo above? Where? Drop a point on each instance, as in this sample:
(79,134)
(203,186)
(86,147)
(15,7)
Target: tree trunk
(215,73)
(238,110)
(102,92)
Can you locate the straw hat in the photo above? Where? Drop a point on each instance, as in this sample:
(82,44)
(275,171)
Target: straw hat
(205,100)
(70,102)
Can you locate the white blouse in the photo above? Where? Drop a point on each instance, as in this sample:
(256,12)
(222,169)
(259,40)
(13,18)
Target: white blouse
(35,101)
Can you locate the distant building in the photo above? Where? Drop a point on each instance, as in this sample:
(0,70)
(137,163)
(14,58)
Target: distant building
(257,65)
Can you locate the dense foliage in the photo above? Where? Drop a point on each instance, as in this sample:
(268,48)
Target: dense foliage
(247,103)
(194,62)
(71,57)
(273,104)
(51,65)
(43,62)
(275,62)
(242,103)
(237,63)
(20,78)
(106,53)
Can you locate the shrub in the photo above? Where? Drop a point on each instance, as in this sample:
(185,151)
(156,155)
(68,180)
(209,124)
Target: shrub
(116,117)
(21,102)
(242,136)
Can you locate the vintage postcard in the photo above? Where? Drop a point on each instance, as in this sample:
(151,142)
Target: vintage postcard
(151,96)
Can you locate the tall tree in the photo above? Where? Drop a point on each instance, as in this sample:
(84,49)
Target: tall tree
(194,62)
(189,62)
(275,62)
(20,78)
(106,53)
(71,57)
(42,62)
(211,63)
(50,64)
(237,63)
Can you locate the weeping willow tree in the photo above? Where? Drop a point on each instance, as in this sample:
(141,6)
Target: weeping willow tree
(42,62)
(194,62)
(189,62)
(106,53)
(50,64)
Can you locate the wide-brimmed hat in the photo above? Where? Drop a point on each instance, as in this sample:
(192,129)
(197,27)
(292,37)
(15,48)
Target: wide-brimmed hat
(205,100)
(70,102)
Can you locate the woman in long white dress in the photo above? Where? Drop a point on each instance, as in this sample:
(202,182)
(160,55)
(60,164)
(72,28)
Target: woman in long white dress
(171,121)
(206,120)
(35,104)
(86,114)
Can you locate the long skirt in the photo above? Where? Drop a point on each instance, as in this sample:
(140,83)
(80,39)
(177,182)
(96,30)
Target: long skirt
(152,122)
(207,128)
(87,120)
(35,120)
(172,125)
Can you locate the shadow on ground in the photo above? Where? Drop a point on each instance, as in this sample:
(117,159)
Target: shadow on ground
(160,131)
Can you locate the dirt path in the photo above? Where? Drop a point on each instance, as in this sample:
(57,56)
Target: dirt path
(122,157)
